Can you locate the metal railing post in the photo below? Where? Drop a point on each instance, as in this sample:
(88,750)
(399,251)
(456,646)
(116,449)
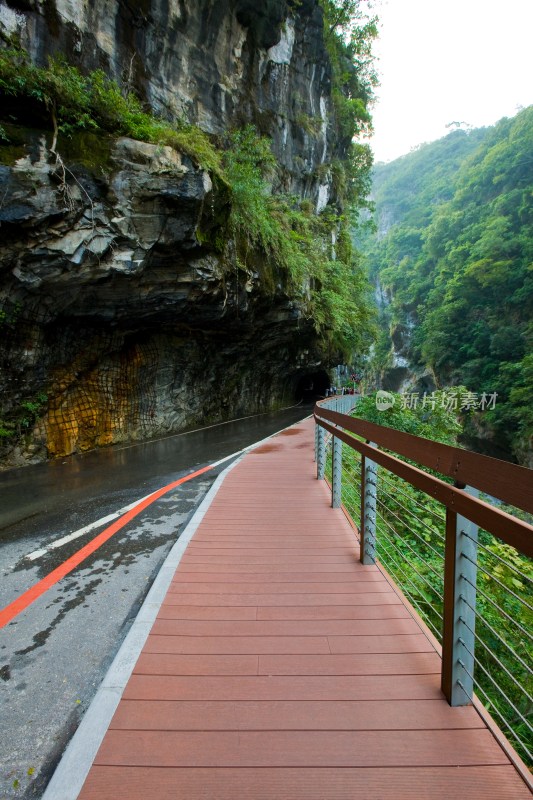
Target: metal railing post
(317,426)
(369,477)
(459,618)
(336,488)
(321,453)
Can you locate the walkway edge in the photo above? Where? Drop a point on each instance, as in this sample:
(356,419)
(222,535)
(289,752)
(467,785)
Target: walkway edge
(70,774)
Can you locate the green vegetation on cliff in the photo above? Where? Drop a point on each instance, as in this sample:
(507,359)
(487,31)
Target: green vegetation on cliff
(308,254)
(455,251)
(349,33)
(313,250)
(60,96)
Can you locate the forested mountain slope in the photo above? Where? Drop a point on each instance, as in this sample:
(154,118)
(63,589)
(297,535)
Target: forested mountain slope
(406,190)
(454,254)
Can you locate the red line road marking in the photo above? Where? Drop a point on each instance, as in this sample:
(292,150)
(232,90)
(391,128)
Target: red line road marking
(17,606)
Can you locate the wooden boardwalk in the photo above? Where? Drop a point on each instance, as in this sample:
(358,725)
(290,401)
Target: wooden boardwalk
(280,667)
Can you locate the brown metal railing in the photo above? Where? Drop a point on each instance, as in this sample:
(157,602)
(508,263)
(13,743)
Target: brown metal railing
(466,469)
(461,475)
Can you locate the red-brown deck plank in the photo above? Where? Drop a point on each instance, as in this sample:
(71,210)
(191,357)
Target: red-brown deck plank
(293,715)
(350,664)
(280,667)
(379,610)
(289,613)
(219,663)
(371,629)
(286,644)
(310,627)
(284,687)
(299,748)
(258,569)
(272,557)
(379,783)
(250,644)
(325,578)
(281,599)
(259,587)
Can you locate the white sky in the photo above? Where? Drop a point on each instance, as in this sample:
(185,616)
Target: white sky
(447,60)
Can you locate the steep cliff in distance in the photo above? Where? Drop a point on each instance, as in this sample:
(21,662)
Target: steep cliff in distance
(146,286)
(455,264)
(407,192)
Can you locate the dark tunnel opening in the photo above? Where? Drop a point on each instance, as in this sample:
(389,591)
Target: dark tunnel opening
(312,386)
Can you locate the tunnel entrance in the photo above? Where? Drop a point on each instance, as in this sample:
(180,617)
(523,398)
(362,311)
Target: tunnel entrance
(312,386)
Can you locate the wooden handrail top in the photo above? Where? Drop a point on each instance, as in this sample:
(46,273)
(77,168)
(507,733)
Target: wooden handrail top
(507,482)
(508,528)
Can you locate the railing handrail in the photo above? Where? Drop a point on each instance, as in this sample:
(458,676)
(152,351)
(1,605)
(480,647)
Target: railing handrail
(509,483)
(465,514)
(510,529)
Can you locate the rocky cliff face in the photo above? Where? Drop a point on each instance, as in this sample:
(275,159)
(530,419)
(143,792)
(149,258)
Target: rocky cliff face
(219,63)
(118,320)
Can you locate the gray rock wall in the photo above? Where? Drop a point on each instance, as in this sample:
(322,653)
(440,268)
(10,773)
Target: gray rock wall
(117,320)
(114,311)
(217,63)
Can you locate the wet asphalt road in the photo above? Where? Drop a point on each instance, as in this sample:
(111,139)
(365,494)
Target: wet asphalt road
(55,653)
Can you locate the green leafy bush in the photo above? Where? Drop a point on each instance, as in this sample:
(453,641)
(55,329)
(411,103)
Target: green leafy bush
(433,421)
(299,243)
(73,102)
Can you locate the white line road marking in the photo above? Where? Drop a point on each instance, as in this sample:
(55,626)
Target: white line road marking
(36,554)
(82,531)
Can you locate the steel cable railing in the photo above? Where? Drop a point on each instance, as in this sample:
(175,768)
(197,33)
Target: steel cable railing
(499,583)
(505,563)
(521,745)
(406,544)
(351,484)
(504,643)
(508,701)
(489,668)
(424,508)
(396,535)
(502,666)
(412,532)
(409,588)
(489,646)
(501,611)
